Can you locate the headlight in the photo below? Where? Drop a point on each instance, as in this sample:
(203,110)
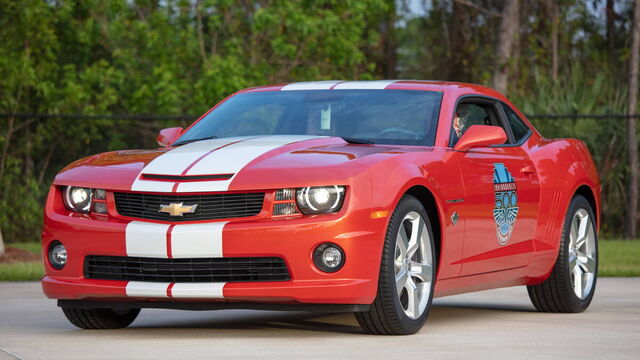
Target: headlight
(85,200)
(320,199)
(78,199)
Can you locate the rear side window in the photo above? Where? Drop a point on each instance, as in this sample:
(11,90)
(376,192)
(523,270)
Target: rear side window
(520,130)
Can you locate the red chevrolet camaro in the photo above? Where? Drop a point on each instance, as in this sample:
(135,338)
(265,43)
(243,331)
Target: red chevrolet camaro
(370,197)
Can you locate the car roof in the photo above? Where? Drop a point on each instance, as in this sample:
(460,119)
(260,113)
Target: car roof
(427,85)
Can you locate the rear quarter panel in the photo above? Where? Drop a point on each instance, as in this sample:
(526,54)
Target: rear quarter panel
(563,166)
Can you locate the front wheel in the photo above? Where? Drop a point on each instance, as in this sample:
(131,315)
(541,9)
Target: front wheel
(407,274)
(100,318)
(572,283)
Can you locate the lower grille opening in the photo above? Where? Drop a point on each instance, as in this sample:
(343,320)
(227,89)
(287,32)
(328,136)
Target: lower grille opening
(190,270)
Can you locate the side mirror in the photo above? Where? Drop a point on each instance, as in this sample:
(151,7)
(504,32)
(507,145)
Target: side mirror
(168,136)
(480,136)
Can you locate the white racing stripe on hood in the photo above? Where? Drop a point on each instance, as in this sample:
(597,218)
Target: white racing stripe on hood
(231,159)
(175,161)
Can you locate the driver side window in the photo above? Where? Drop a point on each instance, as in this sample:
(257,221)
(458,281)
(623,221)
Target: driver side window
(472,113)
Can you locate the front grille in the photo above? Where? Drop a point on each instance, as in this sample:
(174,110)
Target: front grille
(210,206)
(185,270)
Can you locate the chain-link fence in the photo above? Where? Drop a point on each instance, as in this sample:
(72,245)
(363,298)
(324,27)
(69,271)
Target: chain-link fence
(47,142)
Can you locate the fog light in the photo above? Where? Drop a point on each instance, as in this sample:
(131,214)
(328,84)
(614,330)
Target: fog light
(57,255)
(328,257)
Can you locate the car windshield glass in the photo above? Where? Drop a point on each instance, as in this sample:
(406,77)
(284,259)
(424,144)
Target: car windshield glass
(402,117)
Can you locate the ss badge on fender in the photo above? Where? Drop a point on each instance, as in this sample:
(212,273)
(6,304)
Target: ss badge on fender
(505,211)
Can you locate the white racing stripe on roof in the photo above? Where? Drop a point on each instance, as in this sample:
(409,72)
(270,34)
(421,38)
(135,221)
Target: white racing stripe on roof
(364,85)
(231,159)
(310,85)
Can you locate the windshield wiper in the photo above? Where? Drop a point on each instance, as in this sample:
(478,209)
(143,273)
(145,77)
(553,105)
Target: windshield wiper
(356,141)
(194,140)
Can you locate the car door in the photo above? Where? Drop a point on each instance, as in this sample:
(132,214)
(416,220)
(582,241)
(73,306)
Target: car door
(501,194)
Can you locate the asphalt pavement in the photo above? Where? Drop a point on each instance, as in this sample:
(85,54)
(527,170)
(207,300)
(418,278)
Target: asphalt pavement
(493,324)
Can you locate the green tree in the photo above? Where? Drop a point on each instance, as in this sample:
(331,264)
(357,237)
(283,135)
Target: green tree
(149,57)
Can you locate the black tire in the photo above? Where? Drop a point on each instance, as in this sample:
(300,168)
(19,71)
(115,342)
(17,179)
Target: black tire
(556,294)
(100,318)
(386,315)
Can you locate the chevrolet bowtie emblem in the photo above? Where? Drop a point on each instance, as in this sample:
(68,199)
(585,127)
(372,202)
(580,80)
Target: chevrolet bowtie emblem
(177,209)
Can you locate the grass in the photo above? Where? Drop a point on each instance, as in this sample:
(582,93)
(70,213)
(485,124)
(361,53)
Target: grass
(617,258)
(21,271)
(33,247)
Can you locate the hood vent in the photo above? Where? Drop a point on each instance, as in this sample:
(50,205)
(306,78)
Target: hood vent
(184,178)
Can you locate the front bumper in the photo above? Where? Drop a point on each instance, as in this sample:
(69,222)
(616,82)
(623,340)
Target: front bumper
(293,240)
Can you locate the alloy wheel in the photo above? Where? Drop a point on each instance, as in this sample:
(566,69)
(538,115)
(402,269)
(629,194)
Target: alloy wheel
(413,265)
(582,253)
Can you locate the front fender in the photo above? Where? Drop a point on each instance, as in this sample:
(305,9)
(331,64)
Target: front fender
(431,172)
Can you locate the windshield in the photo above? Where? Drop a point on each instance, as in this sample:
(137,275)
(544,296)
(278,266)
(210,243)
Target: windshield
(400,117)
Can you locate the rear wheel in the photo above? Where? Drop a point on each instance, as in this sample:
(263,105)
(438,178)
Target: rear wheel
(572,283)
(100,318)
(407,274)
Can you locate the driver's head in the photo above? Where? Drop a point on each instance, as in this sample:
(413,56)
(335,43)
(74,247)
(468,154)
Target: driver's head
(462,111)
(460,121)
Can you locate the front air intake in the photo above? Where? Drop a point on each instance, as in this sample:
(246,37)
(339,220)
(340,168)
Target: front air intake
(190,270)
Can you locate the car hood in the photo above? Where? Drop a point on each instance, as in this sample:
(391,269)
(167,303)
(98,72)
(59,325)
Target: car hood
(230,164)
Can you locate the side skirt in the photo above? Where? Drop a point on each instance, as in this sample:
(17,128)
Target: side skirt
(483,281)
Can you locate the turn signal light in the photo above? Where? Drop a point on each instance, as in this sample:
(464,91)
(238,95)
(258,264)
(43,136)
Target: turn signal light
(285,203)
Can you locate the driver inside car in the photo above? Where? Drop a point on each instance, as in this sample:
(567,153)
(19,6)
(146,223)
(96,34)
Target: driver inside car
(460,121)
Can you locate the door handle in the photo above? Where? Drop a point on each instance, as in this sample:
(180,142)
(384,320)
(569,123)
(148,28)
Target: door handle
(527,170)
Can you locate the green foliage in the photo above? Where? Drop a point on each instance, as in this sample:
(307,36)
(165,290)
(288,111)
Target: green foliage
(580,93)
(147,57)
(179,57)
